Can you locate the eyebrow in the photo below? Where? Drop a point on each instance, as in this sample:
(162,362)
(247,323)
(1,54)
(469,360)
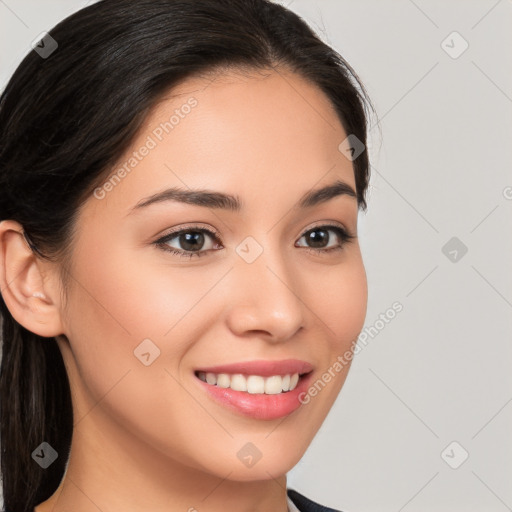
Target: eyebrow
(220,200)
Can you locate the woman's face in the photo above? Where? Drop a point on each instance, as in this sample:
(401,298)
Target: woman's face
(142,322)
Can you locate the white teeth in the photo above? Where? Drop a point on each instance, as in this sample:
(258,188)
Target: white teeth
(254,384)
(238,382)
(286,383)
(273,385)
(223,380)
(211,378)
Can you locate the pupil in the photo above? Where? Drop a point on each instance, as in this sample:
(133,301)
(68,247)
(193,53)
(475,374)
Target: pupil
(318,241)
(192,241)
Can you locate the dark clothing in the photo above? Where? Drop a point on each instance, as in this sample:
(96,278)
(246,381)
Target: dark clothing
(306,505)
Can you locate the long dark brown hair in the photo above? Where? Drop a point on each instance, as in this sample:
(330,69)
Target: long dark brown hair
(66,119)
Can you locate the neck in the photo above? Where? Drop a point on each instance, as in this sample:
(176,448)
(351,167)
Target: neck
(121,472)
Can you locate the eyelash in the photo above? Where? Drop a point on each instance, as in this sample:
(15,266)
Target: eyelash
(344,236)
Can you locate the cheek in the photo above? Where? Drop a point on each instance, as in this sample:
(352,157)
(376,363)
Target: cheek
(338,296)
(116,305)
(132,297)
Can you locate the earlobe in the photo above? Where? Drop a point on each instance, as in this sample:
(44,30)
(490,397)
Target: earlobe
(24,285)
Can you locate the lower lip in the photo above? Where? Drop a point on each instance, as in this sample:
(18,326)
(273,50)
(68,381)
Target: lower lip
(259,406)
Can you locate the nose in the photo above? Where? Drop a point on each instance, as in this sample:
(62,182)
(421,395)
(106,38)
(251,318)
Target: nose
(264,299)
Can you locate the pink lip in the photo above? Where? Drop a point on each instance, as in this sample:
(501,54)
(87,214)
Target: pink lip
(261,367)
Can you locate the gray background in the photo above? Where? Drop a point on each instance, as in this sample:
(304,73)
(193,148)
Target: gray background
(439,372)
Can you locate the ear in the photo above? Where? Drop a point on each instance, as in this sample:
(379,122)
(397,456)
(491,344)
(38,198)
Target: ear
(28,284)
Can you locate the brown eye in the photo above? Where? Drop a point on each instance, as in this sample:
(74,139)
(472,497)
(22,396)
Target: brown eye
(189,242)
(326,238)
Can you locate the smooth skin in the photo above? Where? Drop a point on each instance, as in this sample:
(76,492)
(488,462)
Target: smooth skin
(149,437)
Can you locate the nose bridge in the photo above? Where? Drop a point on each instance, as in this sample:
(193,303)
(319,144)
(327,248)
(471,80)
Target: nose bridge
(267,297)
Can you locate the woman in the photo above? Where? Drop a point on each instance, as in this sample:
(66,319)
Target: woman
(179,189)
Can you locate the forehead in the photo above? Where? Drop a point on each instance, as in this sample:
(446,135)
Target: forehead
(260,135)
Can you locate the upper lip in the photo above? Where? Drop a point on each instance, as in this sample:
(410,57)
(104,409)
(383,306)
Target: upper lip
(264,368)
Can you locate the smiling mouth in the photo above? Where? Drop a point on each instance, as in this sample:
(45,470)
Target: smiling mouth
(253,384)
